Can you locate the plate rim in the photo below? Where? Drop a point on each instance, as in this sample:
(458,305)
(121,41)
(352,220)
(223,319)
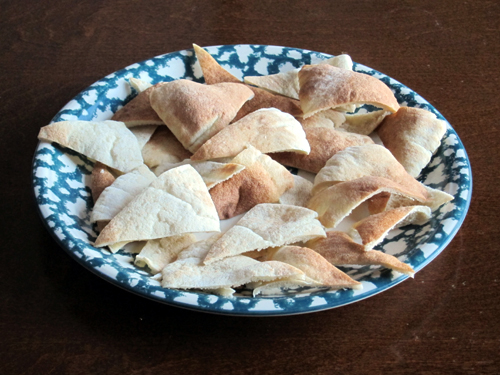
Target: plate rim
(256,313)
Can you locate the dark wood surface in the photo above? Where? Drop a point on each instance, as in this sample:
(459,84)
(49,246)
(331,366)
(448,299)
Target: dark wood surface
(58,318)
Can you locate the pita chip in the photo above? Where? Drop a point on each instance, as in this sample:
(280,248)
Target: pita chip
(268,130)
(262,181)
(324,142)
(116,196)
(138,111)
(333,204)
(213,173)
(373,229)
(109,142)
(299,194)
(195,112)
(199,249)
(314,266)
(163,147)
(325,86)
(191,273)
(139,85)
(412,135)
(266,225)
(339,249)
(143,134)
(287,83)
(177,202)
(365,160)
(329,118)
(156,254)
(100,179)
(364,123)
(214,73)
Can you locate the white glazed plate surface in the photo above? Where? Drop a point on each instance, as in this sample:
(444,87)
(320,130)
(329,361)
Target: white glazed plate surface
(61,180)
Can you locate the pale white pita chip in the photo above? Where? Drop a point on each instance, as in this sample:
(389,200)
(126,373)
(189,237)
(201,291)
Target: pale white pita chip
(120,193)
(176,202)
(156,254)
(199,249)
(191,273)
(267,129)
(299,194)
(143,133)
(139,85)
(267,225)
(343,61)
(364,123)
(109,142)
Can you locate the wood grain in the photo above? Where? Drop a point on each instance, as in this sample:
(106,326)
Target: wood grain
(58,318)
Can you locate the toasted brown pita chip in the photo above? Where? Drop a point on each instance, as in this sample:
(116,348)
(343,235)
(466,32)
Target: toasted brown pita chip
(101,178)
(266,225)
(267,129)
(325,143)
(262,181)
(412,135)
(163,147)
(156,254)
(176,202)
(196,112)
(314,266)
(138,111)
(325,86)
(109,142)
(191,273)
(339,249)
(214,73)
(373,229)
(333,204)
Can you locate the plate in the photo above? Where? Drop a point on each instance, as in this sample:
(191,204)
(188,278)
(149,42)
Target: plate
(61,179)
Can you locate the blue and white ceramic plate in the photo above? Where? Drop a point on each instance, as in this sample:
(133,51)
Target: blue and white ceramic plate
(61,180)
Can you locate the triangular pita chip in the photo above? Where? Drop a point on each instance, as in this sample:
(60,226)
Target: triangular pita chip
(109,142)
(143,134)
(412,135)
(139,85)
(100,179)
(324,142)
(199,249)
(156,254)
(176,202)
(339,249)
(268,130)
(195,112)
(138,111)
(163,147)
(373,229)
(328,118)
(115,197)
(365,160)
(324,86)
(314,266)
(191,273)
(266,225)
(262,181)
(214,73)
(287,83)
(364,123)
(333,204)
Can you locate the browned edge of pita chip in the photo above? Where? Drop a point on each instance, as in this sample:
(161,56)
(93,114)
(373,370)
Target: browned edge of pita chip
(138,111)
(100,179)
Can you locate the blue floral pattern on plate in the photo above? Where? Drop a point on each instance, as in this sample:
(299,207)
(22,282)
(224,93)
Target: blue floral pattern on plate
(61,180)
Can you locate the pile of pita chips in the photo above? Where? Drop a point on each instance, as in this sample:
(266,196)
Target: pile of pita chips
(207,146)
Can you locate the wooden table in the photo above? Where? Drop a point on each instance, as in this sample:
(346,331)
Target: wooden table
(58,318)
